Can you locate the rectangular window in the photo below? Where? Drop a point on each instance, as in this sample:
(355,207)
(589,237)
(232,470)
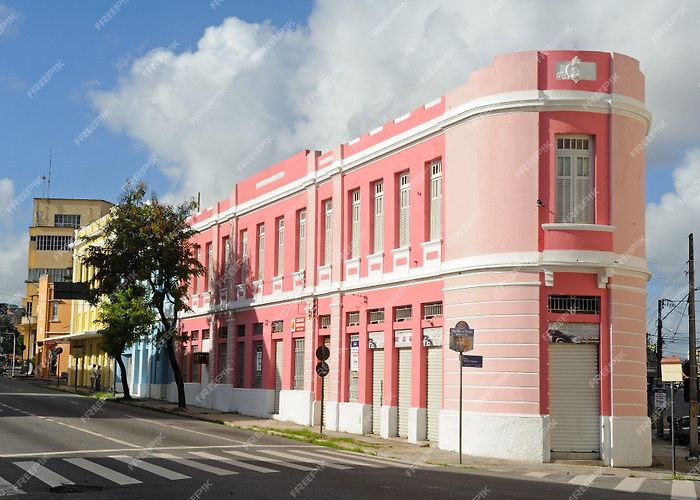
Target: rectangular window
(194,335)
(66,220)
(225,260)
(196,368)
(574,190)
(433,310)
(54,243)
(280,246)
(301,251)
(574,304)
(208,267)
(327,231)
(223,364)
(257,328)
(403,313)
(240,368)
(244,256)
(223,332)
(278,326)
(54,311)
(56,275)
(378,223)
(258,365)
(353,318)
(195,279)
(354,368)
(240,330)
(404,209)
(261,251)
(324,321)
(375,316)
(299,364)
(355,224)
(435,200)
(205,334)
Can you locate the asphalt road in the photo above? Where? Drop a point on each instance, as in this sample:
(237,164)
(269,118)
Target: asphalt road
(57,445)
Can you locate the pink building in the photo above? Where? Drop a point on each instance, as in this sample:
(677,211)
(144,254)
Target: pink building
(514,202)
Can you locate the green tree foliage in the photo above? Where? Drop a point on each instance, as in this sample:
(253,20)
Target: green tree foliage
(125,318)
(148,242)
(7,328)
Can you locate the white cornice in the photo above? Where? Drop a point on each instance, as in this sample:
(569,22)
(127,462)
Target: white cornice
(506,102)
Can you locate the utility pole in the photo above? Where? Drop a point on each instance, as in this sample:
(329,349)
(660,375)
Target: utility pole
(692,351)
(659,355)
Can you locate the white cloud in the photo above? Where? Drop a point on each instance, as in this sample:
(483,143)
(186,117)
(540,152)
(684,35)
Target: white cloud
(676,215)
(13,265)
(7,202)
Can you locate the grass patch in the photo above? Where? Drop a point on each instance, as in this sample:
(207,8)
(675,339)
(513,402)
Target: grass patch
(308,436)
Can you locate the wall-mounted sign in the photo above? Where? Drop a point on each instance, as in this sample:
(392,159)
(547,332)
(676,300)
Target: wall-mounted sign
(402,338)
(671,369)
(472,361)
(258,358)
(354,353)
(573,333)
(432,337)
(298,324)
(376,340)
(200,358)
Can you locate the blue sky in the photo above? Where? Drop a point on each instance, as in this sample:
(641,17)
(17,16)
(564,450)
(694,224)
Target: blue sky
(307,75)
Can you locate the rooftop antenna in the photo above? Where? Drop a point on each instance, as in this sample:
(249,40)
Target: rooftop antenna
(48,180)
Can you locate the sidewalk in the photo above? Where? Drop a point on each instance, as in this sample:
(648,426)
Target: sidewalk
(422,453)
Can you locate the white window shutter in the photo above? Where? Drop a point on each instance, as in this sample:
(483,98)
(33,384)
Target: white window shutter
(301,264)
(584,198)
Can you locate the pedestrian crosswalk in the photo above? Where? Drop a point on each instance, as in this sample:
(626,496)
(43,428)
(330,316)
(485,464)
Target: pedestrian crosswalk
(125,470)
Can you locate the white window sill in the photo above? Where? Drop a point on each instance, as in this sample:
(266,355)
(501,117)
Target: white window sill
(578,227)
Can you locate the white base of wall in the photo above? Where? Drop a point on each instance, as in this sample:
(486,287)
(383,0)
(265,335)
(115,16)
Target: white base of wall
(626,441)
(417,424)
(331,416)
(389,426)
(316,412)
(515,437)
(295,406)
(355,418)
(222,397)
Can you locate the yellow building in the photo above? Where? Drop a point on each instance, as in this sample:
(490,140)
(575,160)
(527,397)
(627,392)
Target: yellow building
(51,236)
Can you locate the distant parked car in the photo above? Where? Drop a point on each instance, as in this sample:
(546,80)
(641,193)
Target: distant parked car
(683,430)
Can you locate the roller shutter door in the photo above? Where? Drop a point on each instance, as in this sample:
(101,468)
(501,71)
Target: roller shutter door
(279,353)
(434,391)
(404,390)
(377,389)
(574,402)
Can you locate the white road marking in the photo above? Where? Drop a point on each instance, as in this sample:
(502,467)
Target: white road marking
(188,430)
(305,459)
(74,402)
(149,467)
(342,460)
(538,474)
(683,490)
(42,394)
(195,465)
(43,474)
(258,458)
(583,479)
(101,470)
(8,489)
(630,484)
(237,463)
(381,461)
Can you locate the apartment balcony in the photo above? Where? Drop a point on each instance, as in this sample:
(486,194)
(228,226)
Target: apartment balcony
(29,320)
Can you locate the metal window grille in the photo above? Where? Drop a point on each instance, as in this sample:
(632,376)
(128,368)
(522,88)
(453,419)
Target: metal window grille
(376,316)
(432,310)
(354,374)
(54,311)
(258,364)
(54,243)
(574,304)
(328,232)
(257,328)
(66,220)
(353,318)
(403,313)
(299,364)
(378,240)
(355,225)
(278,326)
(261,251)
(301,263)
(280,246)
(435,200)
(404,209)
(575,195)
(324,321)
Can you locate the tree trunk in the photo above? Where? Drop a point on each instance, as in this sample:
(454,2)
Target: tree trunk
(177,373)
(125,382)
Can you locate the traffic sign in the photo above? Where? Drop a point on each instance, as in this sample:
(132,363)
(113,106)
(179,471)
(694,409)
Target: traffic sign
(461,337)
(472,361)
(323,353)
(322,369)
(660,399)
